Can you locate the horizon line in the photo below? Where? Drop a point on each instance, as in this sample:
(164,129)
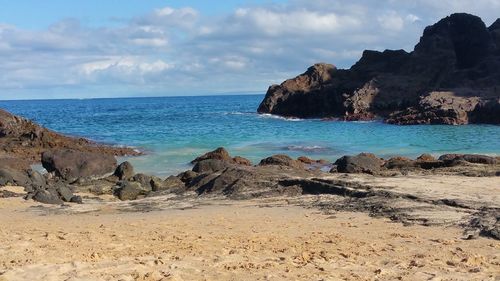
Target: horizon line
(249,93)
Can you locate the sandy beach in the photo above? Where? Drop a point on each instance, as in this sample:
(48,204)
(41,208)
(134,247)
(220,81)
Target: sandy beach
(211,239)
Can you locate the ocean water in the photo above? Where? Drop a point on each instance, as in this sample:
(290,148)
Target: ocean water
(174,130)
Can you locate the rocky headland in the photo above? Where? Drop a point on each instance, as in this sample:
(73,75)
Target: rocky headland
(451,77)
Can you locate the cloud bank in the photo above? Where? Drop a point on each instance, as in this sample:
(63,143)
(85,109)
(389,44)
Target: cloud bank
(184,52)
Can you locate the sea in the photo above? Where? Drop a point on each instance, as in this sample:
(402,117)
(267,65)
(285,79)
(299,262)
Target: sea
(174,130)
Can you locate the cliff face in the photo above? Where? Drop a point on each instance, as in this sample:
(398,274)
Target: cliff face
(451,77)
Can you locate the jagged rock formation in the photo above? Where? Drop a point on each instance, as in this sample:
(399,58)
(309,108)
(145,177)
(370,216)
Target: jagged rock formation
(24,139)
(451,77)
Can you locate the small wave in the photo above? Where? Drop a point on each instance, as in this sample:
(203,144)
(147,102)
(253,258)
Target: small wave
(313,148)
(239,113)
(272,116)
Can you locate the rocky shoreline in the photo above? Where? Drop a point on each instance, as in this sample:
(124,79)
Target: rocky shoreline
(217,174)
(451,77)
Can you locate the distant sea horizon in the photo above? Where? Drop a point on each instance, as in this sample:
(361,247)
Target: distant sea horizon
(243,93)
(174,130)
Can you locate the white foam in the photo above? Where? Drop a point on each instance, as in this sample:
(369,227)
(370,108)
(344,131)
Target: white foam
(272,116)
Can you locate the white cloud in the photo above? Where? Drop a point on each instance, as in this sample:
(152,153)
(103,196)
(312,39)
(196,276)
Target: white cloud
(391,21)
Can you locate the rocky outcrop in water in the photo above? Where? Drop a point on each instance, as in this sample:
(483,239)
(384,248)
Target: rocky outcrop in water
(451,77)
(24,139)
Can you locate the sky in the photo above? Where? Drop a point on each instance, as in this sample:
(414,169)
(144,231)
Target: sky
(124,48)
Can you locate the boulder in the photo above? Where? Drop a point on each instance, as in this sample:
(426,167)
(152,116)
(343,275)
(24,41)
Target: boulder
(218,154)
(124,171)
(65,193)
(187,176)
(144,180)
(361,163)
(221,154)
(399,163)
(77,199)
(14,177)
(471,158)
(238,160)
(37,180)
(426,158)
(171,183)
(71,165)
(130,190)
(209,166)
(48,196)
(306,160)
(281,160)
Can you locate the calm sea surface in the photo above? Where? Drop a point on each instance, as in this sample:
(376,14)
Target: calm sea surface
(174,130)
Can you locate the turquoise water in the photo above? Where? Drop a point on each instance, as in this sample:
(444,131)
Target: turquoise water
(174,130)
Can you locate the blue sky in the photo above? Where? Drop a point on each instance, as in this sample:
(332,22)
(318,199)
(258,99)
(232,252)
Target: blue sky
(36,14)
(121,48)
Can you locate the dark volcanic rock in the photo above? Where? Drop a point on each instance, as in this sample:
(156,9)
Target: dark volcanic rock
(245,181)
(187,176)
(426,158)
(130,190)
(209,166)
(437,108)
(124,171)
(65,193)
(471,158)
(13,177)
(49,196)
(24,139)
(399,163)
(171,183)
(71,165)
(361,163)
(452,77)
(282,160)
(144,180)
(304,96)
(238,160)
(218,154)
(221,154)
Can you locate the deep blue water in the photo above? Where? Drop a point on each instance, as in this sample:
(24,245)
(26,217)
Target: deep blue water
(176,129)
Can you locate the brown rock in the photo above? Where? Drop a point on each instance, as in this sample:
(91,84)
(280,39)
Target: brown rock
(124,171)
(426,158)
(242,161)
(437,108)
(281,160)
(362,163)
(71,164)
(399,163)
(471,158)
(218,154)
(21,138)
